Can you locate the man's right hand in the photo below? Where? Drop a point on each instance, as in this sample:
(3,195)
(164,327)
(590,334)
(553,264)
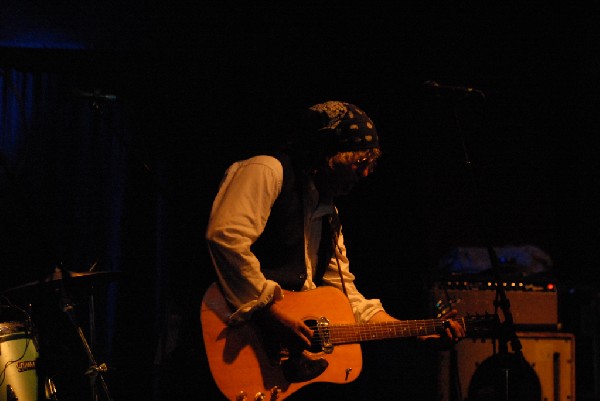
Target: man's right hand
(294,332)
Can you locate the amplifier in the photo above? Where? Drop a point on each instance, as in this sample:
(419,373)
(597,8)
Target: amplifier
(550,354)
(533,306)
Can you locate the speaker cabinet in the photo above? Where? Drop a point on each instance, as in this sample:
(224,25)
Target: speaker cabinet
(550,354)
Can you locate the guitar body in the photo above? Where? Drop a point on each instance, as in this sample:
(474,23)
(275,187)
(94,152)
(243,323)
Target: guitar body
(238,362)
(243,370)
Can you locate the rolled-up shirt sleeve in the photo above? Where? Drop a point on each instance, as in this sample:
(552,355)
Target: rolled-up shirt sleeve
(238,217)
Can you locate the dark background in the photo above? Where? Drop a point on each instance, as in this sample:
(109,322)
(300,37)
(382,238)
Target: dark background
(127,185)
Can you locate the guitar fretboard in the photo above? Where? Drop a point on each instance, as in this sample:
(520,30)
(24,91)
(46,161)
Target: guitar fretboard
(351,333)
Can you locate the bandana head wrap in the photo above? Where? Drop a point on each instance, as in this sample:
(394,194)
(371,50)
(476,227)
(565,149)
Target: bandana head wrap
(347,127)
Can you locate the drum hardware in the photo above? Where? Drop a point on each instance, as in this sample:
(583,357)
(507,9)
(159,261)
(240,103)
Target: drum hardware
(10,393)
(61,281)
(95,370)
(50,390)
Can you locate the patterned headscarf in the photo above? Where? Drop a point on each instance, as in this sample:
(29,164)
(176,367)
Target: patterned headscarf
(349,127)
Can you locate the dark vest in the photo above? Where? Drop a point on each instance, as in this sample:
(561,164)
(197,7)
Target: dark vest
(280,248)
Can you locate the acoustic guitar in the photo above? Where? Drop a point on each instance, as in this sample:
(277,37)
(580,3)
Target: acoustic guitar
(243,369)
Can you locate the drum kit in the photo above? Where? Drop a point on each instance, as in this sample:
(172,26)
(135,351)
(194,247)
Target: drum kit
(21,378)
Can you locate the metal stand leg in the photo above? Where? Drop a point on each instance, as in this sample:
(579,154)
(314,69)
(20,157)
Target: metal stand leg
(95,370)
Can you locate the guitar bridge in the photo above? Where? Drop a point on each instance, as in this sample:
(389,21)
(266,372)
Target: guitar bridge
(323,333)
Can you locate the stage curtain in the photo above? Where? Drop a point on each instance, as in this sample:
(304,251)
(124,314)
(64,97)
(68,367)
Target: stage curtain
(75,195)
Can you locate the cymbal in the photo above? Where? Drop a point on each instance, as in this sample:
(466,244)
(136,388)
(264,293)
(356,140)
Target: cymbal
(74,278)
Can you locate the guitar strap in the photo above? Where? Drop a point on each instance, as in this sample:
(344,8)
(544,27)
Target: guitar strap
(336,247)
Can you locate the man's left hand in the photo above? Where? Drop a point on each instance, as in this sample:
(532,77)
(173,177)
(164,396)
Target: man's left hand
(451,334)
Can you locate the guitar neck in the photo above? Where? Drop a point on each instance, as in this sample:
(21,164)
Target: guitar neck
(352,333)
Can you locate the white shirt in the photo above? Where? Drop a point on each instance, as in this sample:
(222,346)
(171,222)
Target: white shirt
(238,217)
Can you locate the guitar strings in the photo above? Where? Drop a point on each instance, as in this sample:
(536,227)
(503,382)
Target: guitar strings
(352,332)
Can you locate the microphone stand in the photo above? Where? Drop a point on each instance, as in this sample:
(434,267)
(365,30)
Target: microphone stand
(507,330)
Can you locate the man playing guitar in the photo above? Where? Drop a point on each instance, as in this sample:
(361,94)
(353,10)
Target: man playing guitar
(274,230)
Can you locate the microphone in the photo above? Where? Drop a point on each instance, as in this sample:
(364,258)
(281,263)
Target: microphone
(445,91)
(96,95)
